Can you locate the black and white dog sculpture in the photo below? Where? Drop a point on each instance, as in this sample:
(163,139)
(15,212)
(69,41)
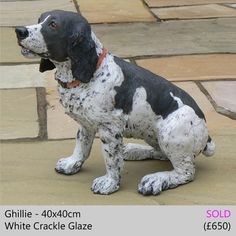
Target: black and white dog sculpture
(117,99)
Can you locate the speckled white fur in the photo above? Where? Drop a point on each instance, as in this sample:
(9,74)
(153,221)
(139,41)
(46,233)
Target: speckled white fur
(180,137)
(92,105)
(35,41)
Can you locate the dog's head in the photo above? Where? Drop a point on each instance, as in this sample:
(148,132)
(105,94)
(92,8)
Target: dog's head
(59,36)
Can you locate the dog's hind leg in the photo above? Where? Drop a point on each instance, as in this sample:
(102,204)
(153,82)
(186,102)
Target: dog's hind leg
(73,163)
(181,136)
(133,152)
(183,173)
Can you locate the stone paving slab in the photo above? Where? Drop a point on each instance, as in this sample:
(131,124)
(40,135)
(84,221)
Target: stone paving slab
(60,125)
(223,93)
(114,11)
(19,117)
(217,124)
(25,76)
(27,12)
(28,177)
(9,49)
(193,12)
(171,3)
(169,38)
(192,67)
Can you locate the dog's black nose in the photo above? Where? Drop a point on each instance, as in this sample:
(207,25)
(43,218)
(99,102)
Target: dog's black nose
(21,32)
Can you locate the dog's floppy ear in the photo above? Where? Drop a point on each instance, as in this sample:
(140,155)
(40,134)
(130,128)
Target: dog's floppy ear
(46,64)
(82,52)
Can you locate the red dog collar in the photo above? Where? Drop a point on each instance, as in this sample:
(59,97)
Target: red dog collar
(101,57)
(77,82)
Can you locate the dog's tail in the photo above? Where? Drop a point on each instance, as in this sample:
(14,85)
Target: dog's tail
(209,150)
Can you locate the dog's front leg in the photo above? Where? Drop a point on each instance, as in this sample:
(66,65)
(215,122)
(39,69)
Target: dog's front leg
(73,163)
(112,147)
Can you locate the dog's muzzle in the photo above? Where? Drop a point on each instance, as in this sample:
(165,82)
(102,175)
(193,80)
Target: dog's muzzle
(22,33)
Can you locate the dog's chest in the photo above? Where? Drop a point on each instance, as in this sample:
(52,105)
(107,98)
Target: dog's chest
(91,102)
(80,103)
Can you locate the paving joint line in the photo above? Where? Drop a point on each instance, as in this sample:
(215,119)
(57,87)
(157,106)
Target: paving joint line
(21,140)
(37,139)
(175,55)
(19,63)
(185,5)
(76,5)
(131,58)
(189,19)
(42,112)
(218,109)
(162,20)
(203,80)
(123,22)
(9,26)
(17,88)
(150,11)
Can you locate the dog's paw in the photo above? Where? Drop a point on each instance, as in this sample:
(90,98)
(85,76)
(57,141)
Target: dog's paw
(105,185)
(68,166)
(153,184)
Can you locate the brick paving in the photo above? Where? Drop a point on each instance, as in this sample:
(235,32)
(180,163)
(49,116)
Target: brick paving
(168,37)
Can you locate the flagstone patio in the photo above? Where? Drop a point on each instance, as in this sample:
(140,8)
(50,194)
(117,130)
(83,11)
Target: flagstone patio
(171,39)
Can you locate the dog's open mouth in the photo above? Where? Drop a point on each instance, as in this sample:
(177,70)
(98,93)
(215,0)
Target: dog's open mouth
(31,54)
(27,52)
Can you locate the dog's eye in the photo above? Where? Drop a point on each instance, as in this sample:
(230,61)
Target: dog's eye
(53,25)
